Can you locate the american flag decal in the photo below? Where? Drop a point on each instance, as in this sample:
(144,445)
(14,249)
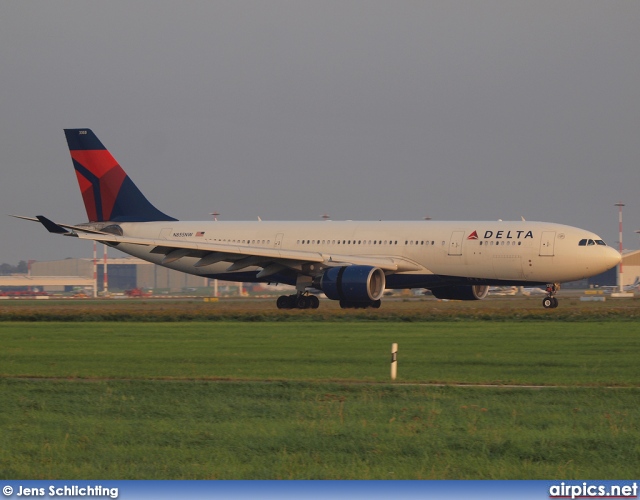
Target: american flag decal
(200,233)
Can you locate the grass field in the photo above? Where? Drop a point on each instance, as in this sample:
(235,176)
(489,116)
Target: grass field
(312,399)
(533,353)
(205,430)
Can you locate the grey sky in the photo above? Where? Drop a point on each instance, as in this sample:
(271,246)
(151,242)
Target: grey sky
(289,109)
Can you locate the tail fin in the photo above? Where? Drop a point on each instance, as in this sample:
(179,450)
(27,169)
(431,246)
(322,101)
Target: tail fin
(108,192)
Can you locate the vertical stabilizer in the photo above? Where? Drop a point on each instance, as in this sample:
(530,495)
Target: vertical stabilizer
(108,192)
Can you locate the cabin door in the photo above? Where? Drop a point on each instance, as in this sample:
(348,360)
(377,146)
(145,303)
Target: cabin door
(455,244)
(278,241)
(546,243)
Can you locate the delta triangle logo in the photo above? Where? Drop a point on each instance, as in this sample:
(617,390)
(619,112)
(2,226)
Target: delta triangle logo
(473,236)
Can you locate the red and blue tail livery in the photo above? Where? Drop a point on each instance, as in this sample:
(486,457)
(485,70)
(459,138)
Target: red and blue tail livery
(108,192)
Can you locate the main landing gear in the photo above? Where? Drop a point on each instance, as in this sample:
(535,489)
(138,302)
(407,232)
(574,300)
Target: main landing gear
(550,301)
(298,301)
(306,301)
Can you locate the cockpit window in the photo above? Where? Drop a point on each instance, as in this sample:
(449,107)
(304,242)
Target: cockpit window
(586,242)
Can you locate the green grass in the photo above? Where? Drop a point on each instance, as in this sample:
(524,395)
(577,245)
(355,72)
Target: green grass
(311,400)
(588,353)
(205,430)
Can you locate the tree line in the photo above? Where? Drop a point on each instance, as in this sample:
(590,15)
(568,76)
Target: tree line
(21,268)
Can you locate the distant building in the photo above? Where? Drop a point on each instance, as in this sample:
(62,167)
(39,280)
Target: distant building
(122,274)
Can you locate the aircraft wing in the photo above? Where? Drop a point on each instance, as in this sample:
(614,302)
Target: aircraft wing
(272,260)
(251,256)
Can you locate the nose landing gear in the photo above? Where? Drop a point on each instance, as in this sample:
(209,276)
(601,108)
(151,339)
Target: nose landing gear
(550,301)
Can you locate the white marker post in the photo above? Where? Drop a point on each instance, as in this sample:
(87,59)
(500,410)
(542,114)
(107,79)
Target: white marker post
(394,361)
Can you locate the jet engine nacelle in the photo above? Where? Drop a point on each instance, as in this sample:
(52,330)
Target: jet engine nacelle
(352,283)
(461,292)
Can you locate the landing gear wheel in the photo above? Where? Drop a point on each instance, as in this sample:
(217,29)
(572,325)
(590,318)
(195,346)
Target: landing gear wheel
(376,304)
(303,302)
(314,302)
(550,301)
(284,302)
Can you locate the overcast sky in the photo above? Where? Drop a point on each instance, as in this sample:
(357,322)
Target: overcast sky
(396,110)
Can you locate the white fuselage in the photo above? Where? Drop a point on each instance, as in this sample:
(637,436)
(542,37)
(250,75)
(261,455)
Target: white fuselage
(488,252)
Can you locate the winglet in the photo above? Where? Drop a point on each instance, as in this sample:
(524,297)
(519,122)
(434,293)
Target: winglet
(51,226)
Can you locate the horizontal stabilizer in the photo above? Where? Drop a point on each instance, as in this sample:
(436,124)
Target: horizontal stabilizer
(56,228)
(51,226)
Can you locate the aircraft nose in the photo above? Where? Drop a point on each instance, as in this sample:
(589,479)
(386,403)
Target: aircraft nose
(611,257)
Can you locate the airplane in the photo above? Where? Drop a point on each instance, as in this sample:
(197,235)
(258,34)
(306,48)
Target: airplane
(633,286)
(351,262)
(626,288)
